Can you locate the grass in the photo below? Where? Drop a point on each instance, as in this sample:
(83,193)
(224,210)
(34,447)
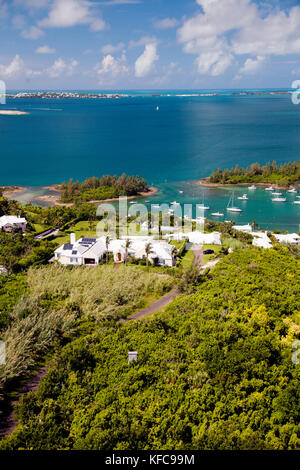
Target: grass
(187,258)
(216,248)
(59,300)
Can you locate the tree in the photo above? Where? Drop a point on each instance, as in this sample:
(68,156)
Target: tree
(127,246)
(148,251)
(107,242)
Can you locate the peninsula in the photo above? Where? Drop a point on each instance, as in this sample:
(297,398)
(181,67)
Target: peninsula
(282,176)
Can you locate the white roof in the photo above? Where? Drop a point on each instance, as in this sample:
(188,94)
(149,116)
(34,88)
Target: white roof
(243,228)
(262,242)
(204,238)
(287,237)
(11,220)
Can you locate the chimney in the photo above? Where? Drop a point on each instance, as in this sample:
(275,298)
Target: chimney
(72,238)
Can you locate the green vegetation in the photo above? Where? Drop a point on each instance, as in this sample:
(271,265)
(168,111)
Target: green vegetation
(107,187)
(53,303)
(214,371)
(283,175)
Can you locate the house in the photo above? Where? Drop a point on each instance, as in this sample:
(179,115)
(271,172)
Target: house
(243,228)
(86,251)
(199,238)
(288,238)
(90,251)
(11,222)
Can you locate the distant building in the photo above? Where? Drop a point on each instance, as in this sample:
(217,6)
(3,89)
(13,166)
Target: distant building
(11,222)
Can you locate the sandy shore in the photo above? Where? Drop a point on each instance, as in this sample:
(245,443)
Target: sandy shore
(12,190)
(55,199)
(5,112)
(204,182)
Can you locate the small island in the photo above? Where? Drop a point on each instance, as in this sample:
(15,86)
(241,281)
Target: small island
(94,189)
(282,176)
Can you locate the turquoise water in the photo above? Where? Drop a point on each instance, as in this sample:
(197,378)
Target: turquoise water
(183,141)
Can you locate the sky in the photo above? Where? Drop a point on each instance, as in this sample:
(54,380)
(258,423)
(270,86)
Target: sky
(149,44)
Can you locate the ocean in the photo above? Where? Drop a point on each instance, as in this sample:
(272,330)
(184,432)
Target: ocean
(172,141)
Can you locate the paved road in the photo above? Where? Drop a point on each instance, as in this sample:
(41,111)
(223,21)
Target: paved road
(47,233)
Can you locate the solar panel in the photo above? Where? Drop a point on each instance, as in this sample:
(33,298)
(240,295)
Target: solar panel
(74,252)
(67,246)
(88,240)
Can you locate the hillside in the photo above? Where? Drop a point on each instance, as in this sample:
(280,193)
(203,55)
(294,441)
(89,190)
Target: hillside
(213,372)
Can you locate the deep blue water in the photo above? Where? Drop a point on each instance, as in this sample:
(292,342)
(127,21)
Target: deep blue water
(184,140)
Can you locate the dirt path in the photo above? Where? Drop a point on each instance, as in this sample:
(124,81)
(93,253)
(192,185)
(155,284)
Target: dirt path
(198,256)
(9,422)
(158,305)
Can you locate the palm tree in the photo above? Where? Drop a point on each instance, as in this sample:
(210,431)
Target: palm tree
(107,242)
(127,246)
(148,251)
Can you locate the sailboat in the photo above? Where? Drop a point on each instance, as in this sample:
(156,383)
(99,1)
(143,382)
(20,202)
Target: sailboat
(219,214)
(293,190)
(203,206)
(252,187)
(232,208)
(243,197)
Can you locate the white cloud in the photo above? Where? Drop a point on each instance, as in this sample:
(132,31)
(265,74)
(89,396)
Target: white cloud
(145,62)
(166,23)
(111,49)
(32,33)
(13,69)
(251,66)
(120,2)
(32,4)
(67,13)
(60,67)
(143,41)
(110,67)
(229,28)
(45,50)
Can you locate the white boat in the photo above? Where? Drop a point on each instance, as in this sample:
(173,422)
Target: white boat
(276,194)
(174,203)
(157,108)
(296,202)
(180,191)
(243,197)
(298,196)
(279,199)
(132,202)
(217,214)
(252,187)
(203,207)
(156,206)
(293,190)
(270,188)
(232,208)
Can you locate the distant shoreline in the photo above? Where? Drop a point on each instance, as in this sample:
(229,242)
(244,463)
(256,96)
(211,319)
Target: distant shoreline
(5,112)
(204,182)
(10,191)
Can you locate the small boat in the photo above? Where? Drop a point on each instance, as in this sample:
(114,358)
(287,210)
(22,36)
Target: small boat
(132,202)
(156,206)
(157,108)
(180,191)
(217,214)
(298,196)
(243,197)
(203,207)
(293,190)
(276,194)
(252,187)
(174,203)
(279,199)
(296,202)
(270,188)
(232,208)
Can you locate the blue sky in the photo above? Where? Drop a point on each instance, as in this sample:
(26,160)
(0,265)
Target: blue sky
(136,44)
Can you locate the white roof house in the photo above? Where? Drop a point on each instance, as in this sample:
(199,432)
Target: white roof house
(261,239)
(8,222)
(288,238)
(199,238)
(243,228)
(90,251)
